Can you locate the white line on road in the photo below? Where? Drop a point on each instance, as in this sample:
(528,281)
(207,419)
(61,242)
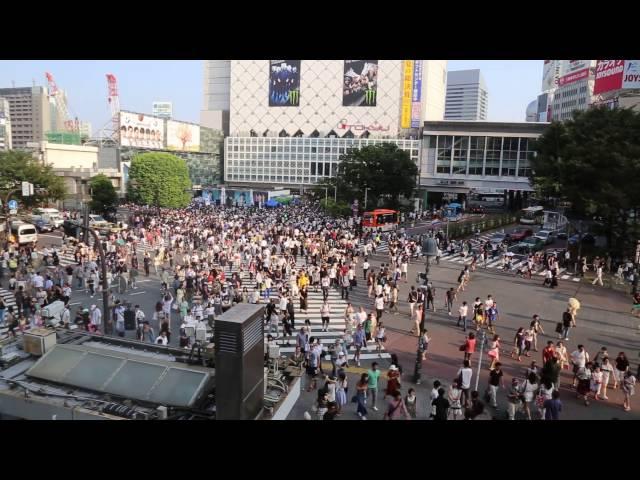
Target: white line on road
(76,303)
(137,293)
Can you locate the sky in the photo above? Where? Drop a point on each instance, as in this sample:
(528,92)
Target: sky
(512,84)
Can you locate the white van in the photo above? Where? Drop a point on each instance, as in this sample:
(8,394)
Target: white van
(24,232)
(51,215)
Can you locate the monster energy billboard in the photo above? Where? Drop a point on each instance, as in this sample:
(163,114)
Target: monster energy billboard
(360,85)
(284,83)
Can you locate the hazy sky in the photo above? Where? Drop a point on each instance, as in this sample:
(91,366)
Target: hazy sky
(512,84)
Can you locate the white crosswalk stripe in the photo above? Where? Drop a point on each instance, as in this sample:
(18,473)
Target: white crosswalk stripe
(336,325)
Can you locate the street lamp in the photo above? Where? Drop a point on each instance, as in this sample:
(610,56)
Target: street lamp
(429,250)
(366,189)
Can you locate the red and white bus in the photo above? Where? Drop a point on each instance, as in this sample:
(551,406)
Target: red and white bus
(381,218)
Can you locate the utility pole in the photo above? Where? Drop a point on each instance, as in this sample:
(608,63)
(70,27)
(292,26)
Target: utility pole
(335,193)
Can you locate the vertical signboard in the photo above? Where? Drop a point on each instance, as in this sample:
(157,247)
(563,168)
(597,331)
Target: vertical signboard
(407,88)
(360,83)
(416,95)
(609,75)
(284,83)
(550,72)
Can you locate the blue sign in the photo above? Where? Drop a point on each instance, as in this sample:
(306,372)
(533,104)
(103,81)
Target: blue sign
(13,205)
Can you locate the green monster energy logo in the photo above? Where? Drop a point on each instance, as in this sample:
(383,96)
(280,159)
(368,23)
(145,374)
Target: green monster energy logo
(294,97)
(370,96)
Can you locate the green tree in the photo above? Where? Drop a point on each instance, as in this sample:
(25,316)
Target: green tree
(386,170)
(593,161)
(160,179)
(103,194)
(17,166)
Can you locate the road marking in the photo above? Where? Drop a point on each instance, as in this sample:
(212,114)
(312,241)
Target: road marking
(576,279)
(50,236)
(76,303)
(137,293)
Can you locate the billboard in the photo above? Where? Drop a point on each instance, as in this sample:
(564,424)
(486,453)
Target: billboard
(416,95)
(407,90)
(573,77)
(183,136)
(260,198)
(631,77)
(139,130)
(572,66)
(609,75)
(284,83)
(162,109)
(550,74)
(360,83)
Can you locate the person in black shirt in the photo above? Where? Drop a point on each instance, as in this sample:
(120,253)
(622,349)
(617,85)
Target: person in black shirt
(495,381)
(442,405)
(332,411)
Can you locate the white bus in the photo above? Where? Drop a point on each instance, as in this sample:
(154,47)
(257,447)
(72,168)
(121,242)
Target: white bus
(532,216)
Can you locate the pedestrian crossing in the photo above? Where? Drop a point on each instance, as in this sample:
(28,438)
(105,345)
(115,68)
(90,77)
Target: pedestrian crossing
(494,263)
(337,323)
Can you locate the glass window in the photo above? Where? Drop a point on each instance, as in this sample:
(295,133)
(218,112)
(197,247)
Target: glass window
(445,148)
(494,146)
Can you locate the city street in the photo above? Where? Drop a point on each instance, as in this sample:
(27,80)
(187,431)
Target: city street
(603,320)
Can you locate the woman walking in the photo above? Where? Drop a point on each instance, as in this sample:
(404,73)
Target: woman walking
(304,299)
(527,392)
(393,380)
(544,393)
(410,402)
(563,356)
(629,389)
(325,313)
(454,396)
(622,365)
(583,375)
(361,396)
(341,390)
(494,351)
(518,344)
(380,337)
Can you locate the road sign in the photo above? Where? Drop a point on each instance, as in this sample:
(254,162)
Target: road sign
(13,212)
(13,205)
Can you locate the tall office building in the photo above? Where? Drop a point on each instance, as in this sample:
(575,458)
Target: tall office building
(217,95)
(30,114)
(467,96)
(5,125)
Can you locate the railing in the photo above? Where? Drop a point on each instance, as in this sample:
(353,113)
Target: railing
(488,223)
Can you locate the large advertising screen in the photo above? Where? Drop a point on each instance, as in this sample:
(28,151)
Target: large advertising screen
(360,84)
(238,198)
(631,77)
(183,136)
(609,75)
(139,130)
(416,95)
(284,83)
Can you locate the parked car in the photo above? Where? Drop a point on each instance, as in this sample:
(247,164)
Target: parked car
(520,234)
(587,239)
(520,249)
(562,235)
(547,236)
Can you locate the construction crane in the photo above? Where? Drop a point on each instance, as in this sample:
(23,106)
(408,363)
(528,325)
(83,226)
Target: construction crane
(61,104)
(114,103)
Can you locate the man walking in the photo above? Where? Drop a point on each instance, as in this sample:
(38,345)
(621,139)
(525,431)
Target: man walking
(412,299)
(372,387)
(495,381)
(450,297)
(464,376)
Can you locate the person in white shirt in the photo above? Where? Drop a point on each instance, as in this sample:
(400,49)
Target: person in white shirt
(95,317)
(325,313)
(462,316)
(579,359)
(162,339)
(598,278)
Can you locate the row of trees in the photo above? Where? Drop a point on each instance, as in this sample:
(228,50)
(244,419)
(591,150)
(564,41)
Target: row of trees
(593,162)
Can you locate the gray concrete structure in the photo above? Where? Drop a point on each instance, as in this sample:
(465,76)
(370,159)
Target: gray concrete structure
(217,96)
(30,114)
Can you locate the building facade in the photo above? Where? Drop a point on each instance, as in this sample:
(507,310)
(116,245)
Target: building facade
(467,96)
(5,125)
(291,120)
(294,161)
(30,114)
(217,100)
(489,157)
